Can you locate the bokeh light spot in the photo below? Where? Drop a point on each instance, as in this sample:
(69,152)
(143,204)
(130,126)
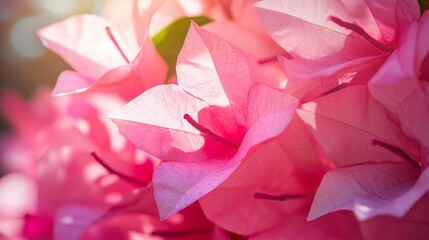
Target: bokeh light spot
(60,7)
(24,40)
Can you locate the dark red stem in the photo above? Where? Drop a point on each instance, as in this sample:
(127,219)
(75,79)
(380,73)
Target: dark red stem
(209,133)
(113,39)
(397,151)
(113,171)
(359,30)
(282,197)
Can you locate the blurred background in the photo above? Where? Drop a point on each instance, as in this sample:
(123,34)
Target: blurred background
(25,64)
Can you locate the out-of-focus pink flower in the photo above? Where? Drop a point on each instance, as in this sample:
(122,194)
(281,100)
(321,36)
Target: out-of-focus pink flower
(205,127)
(59,167)
(335,42)
(19,195)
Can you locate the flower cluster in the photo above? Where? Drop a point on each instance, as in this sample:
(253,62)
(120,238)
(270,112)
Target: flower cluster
(220,119)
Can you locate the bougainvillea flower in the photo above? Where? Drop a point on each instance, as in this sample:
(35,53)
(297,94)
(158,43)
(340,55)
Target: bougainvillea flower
(381,188)
(100,54)
(136,217)
(335,42)
(371,189)
(205,126)
(381,194)
(401,85)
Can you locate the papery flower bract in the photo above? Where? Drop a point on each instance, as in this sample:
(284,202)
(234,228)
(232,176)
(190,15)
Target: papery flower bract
(358,120)
(334,42)
(370,190)
(205,127)
(383,194)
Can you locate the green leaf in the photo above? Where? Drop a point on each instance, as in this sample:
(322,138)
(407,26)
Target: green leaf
(424,5)
(169,41)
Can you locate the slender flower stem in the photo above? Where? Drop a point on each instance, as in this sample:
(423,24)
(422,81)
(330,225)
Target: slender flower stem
(359,30)
(209,133)
(282,197)
(397,151)
(110,34)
